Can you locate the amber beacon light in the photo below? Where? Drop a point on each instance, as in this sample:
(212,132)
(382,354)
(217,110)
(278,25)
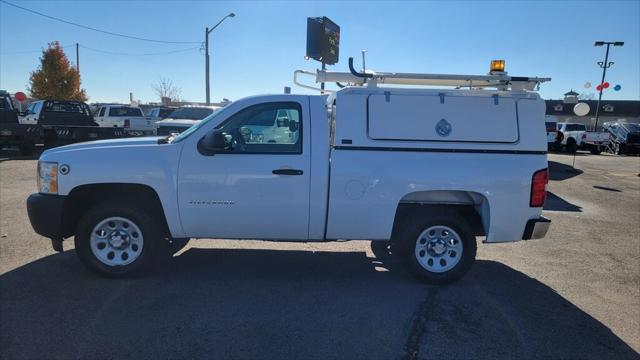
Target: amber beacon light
(497,65)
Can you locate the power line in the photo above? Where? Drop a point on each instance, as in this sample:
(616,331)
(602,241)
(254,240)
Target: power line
(143,54)
(27,51)
(107,51)
(98,30)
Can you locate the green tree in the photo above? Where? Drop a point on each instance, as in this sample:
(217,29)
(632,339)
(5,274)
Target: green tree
(56,78)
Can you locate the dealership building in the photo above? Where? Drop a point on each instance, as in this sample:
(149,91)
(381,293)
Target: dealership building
(610,110)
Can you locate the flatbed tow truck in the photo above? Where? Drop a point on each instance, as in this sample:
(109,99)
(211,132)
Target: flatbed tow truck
(58,122)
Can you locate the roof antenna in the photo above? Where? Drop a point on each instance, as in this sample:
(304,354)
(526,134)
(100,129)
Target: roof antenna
(364,67)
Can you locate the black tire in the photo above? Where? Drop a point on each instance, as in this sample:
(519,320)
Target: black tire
(596,151)
(407,235)
(151,232)
(572,146)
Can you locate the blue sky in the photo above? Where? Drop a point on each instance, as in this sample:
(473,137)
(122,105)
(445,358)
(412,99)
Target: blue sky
(257,51)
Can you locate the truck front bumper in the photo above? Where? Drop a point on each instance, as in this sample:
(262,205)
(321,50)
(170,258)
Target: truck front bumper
(536,228)
(45,215)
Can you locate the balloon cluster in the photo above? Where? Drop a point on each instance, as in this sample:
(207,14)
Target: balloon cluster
(605,85)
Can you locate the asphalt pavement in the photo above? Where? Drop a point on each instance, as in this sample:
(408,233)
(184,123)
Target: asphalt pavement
(572,295)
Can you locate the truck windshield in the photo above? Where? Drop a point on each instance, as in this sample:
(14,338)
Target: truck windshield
(191,113)
(164,113)
(575,127)
(185,134)
(64,106)
(124,111)
(632,127)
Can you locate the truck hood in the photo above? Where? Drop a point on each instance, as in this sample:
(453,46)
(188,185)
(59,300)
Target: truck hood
(136,141)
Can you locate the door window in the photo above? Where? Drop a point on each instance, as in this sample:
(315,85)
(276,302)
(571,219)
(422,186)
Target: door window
(37,107)
(101,112)
(270,128)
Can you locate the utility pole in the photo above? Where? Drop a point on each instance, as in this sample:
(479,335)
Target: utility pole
(206,55)
(78,58)
(78,63)
(206,63)
(604,65)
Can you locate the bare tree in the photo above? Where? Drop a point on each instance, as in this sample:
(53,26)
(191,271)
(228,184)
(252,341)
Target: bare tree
(165,88)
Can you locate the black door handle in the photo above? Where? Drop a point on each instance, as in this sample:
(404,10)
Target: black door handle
(287,172)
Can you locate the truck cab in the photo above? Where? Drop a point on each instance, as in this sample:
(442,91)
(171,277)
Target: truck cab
(406,167)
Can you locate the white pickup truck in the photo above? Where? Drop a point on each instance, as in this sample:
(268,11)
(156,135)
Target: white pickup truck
(127,117)
(410,166)
(576,137)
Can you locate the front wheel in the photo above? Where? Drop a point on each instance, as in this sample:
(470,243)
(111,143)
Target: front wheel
(117,239)
(438,246)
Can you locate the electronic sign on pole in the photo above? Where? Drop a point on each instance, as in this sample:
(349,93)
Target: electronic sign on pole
(323,40)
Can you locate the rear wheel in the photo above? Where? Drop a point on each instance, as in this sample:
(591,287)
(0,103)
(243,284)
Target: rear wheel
(596,151)
(117,239)
(437,246)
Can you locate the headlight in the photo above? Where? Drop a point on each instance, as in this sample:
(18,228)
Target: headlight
(48,177)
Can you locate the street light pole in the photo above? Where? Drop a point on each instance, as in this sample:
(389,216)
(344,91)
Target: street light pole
(604,65)
(207,31)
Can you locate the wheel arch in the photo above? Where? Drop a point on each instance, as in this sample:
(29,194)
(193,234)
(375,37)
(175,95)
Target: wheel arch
(83,197)
(472,205)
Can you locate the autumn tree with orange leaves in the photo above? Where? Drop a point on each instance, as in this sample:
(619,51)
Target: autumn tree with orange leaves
(56,78)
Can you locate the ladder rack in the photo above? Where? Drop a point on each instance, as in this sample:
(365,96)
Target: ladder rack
(501,81)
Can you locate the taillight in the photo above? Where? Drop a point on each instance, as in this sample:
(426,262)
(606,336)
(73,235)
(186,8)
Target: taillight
(126,123)
(539,183)
(551,129)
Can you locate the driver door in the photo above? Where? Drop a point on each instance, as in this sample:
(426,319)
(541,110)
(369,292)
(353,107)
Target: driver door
(259,187)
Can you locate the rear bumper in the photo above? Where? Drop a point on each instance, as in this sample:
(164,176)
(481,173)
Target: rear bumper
(536,228)
(45,215)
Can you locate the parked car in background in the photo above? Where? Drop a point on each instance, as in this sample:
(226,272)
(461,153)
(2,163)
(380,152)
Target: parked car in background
(576,137)
(160,113)
(625,137)
(126,117)
(12,132)
(183,118)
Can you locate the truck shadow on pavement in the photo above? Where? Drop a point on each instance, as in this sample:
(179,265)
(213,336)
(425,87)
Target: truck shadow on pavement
(556,203)
(238,303)
(559,171)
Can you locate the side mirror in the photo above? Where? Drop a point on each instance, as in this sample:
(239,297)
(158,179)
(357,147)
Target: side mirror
(214,141)
(293,126)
